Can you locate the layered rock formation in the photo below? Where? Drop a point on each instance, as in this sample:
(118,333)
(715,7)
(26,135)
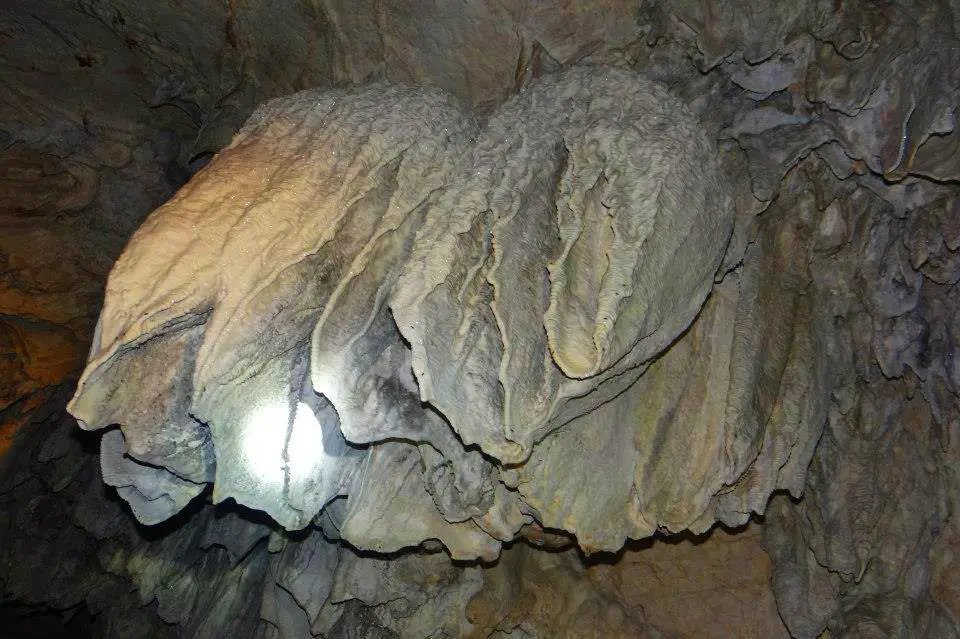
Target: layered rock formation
(571,276)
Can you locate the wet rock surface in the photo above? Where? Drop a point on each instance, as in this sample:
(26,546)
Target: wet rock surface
(448,332)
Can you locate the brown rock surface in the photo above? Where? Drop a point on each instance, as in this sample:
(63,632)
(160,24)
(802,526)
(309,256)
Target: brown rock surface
(944,582)
(715,585)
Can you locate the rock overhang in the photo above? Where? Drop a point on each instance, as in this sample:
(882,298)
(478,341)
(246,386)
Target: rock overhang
(460,328)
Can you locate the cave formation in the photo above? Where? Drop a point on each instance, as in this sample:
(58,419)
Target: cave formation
(479,319)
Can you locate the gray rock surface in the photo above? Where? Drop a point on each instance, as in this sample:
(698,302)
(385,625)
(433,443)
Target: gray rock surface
(417,275)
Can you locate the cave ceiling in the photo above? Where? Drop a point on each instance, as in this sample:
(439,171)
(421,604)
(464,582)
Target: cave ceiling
(302,300)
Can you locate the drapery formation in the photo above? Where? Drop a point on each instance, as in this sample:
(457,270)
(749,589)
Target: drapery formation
(461,328)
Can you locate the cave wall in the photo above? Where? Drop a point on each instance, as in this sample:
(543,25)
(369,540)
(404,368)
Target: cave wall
(835,128)
(107,110)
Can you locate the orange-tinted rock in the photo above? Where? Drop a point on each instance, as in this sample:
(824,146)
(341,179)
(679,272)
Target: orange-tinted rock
(32,182)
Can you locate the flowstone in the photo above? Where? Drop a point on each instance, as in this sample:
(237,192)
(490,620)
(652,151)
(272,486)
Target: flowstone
(460,328)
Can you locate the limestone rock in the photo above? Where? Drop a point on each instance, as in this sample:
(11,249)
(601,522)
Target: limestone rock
(821,363)
(366,270)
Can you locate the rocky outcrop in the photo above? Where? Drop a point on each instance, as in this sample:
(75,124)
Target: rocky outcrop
(423,287)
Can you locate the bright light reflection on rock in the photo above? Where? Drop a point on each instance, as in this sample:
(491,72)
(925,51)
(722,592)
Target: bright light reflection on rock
(264,436)
(268,451)
(305,450)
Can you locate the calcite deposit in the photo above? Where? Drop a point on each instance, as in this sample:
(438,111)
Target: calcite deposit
(478,319)
(369,296)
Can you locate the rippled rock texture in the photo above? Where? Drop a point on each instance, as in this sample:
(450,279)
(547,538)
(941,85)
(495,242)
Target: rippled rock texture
(536,280)
(368,296)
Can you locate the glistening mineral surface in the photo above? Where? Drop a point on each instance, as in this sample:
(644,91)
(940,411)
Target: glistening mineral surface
(460,328)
